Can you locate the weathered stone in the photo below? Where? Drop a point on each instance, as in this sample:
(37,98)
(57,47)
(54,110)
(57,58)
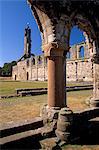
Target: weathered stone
(49,115)
(64,125)
(76,69)
(64,136)
(94,102)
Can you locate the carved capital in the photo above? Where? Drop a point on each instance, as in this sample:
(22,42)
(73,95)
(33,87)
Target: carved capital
(52,49)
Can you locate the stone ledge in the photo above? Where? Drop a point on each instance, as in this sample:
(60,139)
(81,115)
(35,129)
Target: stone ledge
(13,128)
(20,136)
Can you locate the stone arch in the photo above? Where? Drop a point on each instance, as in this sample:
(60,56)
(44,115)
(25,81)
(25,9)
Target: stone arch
(92,41)
(55,20)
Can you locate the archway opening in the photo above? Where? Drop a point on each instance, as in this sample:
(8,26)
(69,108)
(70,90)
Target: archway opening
(76,36)
(77,70)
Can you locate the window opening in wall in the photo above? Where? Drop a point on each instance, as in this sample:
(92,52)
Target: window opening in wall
(81,52)
(33,61)
(68,56)
(15,77)
(27,63)
(39,60)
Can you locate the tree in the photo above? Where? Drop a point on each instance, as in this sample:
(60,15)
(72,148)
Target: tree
(7,68)
(0,70)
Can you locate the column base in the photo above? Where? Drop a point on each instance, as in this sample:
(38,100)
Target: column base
(64,125)
(49,115)
(94,102)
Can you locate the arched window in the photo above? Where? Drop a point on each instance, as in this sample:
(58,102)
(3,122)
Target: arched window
(68,55)
(81,52)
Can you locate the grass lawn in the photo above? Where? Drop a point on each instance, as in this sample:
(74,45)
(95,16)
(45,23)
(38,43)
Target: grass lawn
(14,110)
(76,99)
(8,87)
(24,108)
(21,108)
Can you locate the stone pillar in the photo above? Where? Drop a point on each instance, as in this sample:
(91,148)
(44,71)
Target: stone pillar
(95,99)
(64,67)
(56,80)
(56,86)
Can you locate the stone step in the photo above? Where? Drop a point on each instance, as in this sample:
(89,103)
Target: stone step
(19,136)
(26,139)
(13,128)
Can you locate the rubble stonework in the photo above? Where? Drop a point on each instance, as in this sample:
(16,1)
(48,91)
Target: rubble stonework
(78,69)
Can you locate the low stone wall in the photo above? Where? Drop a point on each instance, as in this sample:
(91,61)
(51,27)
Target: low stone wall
(40,91)
(22,135)
(82,122)
(26,125)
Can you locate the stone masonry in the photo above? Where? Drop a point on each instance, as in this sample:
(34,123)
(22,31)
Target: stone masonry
(35,68)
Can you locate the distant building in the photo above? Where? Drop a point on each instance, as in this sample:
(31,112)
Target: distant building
(29,67)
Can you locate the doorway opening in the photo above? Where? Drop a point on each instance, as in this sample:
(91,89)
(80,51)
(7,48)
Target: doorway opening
(27,76)
(15,77)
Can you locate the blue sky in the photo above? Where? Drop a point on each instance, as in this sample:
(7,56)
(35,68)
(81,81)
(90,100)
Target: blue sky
(14,16)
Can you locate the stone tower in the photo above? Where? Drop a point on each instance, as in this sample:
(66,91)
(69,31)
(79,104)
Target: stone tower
(27,42)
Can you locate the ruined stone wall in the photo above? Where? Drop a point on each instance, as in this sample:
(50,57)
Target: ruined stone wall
(39,70)
(22,69)
(35,68)
(14,72)
(79,70)
(21,74)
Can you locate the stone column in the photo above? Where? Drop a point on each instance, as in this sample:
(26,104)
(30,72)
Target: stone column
(56,96)
(95,99)
(64,67)
(56,85)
